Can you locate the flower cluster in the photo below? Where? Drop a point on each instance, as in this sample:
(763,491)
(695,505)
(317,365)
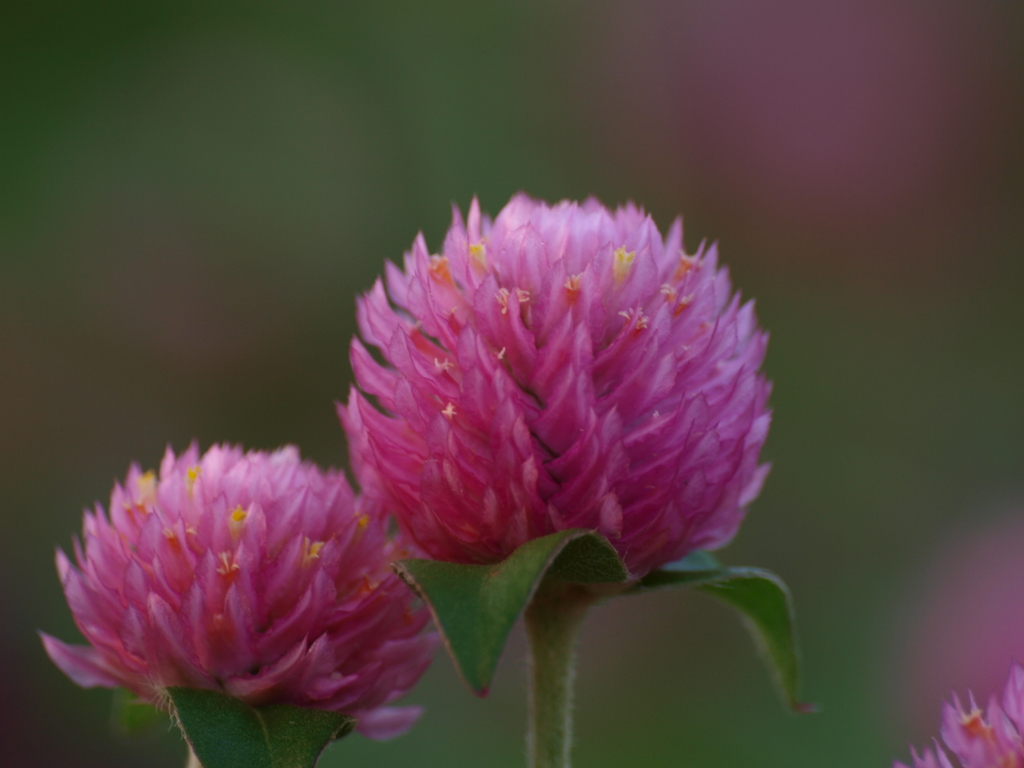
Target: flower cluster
(561,367)
(251,573)
(990,739)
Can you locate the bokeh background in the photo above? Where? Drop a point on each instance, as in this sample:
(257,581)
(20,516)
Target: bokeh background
(192,193)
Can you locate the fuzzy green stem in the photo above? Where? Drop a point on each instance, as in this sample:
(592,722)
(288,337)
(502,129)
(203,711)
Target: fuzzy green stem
(552,620)
(193,761)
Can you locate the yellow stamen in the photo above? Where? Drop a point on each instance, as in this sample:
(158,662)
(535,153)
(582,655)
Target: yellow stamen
(310,551)
(449,411)
(443,365)
(146,486)
(668,292)
(501,353)
(522,295)
(190,477)
(363,521)
(236,522)
(478,254)
(623,263)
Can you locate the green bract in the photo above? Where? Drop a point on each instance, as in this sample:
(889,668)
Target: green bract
(224,732)
(763,601)
(475,606)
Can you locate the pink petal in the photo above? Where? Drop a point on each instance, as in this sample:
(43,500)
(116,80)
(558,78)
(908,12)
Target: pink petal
(388,722)
(82,663)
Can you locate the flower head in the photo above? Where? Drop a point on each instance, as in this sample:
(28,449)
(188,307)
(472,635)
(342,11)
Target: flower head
(251,573)
(560,367)
(989,739)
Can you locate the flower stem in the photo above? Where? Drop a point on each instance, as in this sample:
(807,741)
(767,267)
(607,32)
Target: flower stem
(193,761)
(552,620)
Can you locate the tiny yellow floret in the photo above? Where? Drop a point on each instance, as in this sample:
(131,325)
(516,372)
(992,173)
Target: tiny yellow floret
(236,522)
(190,477)
(310,550)
(478,254)
(146,485)
(623,263)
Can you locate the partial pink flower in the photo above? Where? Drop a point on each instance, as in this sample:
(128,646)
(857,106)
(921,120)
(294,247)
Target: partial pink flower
(989,739)
(255,574)
(561,367)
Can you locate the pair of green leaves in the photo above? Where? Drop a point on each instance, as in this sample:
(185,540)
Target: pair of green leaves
(475,606)
(224,732)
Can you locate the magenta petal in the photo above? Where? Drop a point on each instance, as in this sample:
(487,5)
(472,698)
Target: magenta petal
(261,688)
(82,663)
(388,722)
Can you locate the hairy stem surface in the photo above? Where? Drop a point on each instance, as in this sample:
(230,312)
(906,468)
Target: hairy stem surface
(552,620)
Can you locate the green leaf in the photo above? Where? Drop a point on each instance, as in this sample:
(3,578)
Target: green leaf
(224,732)
(763,601)
(475,606)
(698,560)
(132,717)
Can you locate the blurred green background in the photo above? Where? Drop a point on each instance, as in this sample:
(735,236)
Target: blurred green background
(191,195)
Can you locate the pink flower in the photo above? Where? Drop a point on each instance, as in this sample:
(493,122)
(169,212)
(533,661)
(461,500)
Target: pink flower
(252,573)
(981,740)
(562,367)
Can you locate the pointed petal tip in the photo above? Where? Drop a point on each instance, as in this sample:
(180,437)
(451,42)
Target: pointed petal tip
(386,723)
(81,663)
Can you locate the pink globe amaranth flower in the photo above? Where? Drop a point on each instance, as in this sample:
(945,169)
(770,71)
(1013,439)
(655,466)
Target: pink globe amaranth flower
(255,574)
(560,367)
(990,739)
